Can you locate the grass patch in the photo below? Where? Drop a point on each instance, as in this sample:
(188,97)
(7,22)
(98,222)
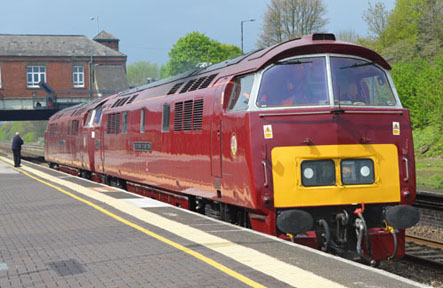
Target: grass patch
(429,172)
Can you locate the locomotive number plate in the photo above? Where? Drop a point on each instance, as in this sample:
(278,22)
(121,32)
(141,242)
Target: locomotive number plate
(142,146)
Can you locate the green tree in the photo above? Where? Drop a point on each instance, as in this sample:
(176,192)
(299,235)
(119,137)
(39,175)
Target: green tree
(419,84)
(430,29)
(348,36)
(287,19)
(31,131)
(138,73)
(195,48)
(377,19)
(404,20)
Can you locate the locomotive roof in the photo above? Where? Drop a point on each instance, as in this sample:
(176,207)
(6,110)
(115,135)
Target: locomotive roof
(310,44)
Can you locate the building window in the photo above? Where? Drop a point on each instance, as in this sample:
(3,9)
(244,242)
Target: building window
(34,75)
(78,76)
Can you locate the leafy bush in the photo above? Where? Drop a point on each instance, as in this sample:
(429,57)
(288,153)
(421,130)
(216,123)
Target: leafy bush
(428,142)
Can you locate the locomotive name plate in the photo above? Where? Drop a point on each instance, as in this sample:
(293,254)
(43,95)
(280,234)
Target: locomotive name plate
(142,146)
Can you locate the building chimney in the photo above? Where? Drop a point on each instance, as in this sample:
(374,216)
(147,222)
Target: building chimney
(107,39)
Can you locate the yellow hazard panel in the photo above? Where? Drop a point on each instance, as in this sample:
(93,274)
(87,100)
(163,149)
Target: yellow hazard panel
(290,192)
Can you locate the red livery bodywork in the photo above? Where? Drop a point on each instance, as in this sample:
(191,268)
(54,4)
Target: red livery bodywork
(194,141)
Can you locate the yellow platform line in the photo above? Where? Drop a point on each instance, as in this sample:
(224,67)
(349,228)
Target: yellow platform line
(178,246)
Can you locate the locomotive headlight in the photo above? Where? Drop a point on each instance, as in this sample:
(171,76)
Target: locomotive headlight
(318,172)
(357,171)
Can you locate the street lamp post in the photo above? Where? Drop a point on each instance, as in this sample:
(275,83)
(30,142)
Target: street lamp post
(243,21)
(98,25)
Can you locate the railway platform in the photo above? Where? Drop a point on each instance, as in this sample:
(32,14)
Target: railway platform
(58,230)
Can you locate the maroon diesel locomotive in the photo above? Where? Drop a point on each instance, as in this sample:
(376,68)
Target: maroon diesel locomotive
(306,140)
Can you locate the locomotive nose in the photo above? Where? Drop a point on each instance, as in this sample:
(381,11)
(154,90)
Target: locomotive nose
(402,216)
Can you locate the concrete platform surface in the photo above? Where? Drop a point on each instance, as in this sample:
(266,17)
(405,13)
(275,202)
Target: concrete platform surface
(63,231)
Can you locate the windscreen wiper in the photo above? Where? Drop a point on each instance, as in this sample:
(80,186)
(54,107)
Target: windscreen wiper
(359,65)
(296,62)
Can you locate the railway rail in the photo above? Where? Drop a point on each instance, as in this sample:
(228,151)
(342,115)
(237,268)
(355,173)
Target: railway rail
(429,200)
(424,251)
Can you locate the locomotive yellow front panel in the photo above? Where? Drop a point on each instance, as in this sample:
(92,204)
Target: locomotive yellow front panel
(335,175)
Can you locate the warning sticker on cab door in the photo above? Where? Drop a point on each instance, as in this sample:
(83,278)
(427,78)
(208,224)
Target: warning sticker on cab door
(395,128)
(268,131)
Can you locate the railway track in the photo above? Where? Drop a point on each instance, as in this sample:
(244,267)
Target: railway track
(424,251)
(429,200)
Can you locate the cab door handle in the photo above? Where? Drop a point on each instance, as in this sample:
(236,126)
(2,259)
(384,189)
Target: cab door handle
(406,179)
(266,173)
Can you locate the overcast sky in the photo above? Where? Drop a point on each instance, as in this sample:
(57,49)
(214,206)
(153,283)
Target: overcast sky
(148,29)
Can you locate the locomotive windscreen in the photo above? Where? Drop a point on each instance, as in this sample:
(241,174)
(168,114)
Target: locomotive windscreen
(304,82)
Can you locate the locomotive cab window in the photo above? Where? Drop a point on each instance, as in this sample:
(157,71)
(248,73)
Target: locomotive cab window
(240,93)
(359,82)
(294,82)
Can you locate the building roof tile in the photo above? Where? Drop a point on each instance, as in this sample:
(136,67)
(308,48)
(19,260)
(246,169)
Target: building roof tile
(54,46)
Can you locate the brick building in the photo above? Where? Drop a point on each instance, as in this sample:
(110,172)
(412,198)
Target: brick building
(74,67)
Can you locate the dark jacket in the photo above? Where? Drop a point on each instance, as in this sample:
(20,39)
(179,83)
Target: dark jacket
(17,143)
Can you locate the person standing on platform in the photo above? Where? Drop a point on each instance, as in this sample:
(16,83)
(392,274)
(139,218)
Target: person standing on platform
(17,143)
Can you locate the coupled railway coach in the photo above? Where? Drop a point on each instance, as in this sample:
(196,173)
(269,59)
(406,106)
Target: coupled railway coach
(306,140)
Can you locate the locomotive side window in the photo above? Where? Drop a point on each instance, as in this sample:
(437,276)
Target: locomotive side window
(98,117)
(142,120)
(125,122)
(358,82)
(240,94)
(294,82)
(165,117)
(89,118)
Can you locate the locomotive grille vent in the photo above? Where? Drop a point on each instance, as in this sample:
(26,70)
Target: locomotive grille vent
(120,102)
(175,88)
(197,83)
(113,123)
(178,116)
(132,99)
(207,81)
(79,111)
(187,85)
(123,101)
(187,116)
(197,118)
(116,103)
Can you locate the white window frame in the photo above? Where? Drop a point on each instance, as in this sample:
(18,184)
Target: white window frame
(79,72)
(34,75)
